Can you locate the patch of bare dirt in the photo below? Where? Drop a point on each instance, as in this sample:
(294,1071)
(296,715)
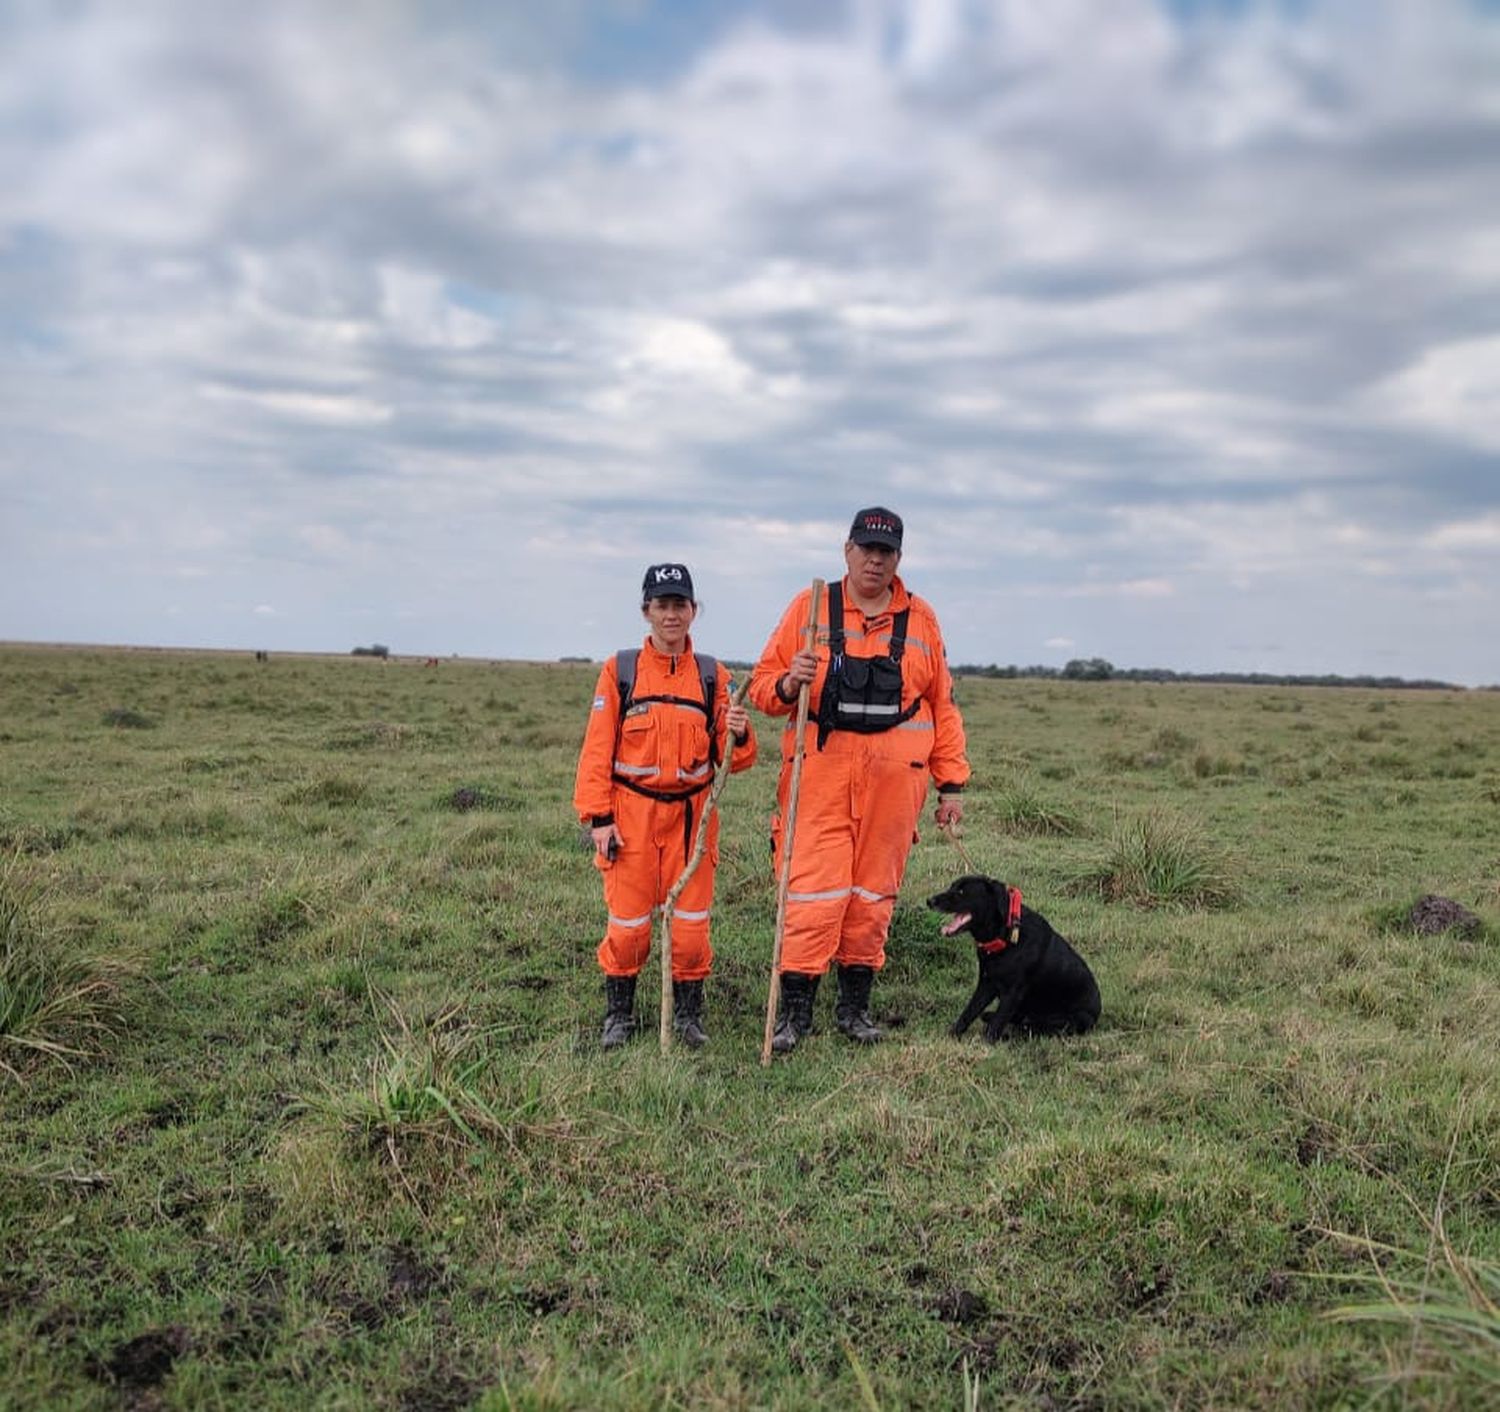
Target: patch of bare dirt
(144,1361)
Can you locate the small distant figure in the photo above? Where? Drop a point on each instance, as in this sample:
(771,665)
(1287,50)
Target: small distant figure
(262,656)
(430,662)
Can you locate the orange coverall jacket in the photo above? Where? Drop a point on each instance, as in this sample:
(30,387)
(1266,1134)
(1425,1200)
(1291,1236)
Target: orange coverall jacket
(661,746)
(861,794)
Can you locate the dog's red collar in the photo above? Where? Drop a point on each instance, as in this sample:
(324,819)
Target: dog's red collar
(1012,923)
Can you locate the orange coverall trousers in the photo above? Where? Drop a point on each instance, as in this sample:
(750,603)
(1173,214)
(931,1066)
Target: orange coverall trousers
(640,877)
(856,821)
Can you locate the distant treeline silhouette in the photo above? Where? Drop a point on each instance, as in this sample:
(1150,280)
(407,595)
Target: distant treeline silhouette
(1097,669)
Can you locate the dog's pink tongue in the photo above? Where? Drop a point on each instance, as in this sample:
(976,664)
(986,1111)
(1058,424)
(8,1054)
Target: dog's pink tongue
(961,920)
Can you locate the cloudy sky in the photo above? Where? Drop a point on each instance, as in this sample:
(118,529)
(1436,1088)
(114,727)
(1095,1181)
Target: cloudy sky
(1172,327)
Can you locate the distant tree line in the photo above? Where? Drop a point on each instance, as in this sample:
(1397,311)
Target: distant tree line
(1097,669)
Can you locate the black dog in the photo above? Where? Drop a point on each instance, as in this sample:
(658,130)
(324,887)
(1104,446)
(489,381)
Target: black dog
(1042,985)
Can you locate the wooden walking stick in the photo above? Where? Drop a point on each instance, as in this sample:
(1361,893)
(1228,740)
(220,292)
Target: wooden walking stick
(789,826)
(700,846)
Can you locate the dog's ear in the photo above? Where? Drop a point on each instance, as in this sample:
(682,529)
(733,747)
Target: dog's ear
(999,894)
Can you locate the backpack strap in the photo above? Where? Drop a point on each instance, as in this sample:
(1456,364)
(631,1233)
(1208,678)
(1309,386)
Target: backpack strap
(898,634)
(708,673)
(828,699)
(625,660)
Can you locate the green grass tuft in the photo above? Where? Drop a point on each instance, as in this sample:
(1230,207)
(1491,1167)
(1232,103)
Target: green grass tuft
(1022,810)
(54,999)
(1158,860)
(335,791)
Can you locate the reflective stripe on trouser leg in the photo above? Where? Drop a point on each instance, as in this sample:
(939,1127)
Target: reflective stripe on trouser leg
(627,935)
(692,956)
(888,796)
(631,886)
(822,856)
(638,881)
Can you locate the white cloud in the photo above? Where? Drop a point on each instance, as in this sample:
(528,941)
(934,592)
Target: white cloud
(1481,534)
(341,408)
(1454,389)
(682,349)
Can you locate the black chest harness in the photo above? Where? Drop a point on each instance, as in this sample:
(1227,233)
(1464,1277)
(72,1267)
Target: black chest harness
(862,694)
(708,673)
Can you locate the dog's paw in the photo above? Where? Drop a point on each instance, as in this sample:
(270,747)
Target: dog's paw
(956,1030)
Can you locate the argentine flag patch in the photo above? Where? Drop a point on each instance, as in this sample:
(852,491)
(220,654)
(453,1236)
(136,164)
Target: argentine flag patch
(598,703)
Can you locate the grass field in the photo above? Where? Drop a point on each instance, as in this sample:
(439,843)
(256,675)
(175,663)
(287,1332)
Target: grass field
(301,1104)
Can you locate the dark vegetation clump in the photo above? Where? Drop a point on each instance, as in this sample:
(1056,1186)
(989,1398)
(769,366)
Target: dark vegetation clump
(124,718)
(1429,915)
(478,796)
(36,839)
(1433,915)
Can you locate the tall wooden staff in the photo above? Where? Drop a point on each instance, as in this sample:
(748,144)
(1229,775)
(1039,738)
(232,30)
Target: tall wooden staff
(700,845)
(789,826)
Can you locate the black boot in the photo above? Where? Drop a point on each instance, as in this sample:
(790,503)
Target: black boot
(619,1011)
(687,1013)
(852,1014)
(795,1021)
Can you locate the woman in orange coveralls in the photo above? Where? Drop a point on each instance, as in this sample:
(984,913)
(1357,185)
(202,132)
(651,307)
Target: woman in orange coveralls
(883,721)
(647,762)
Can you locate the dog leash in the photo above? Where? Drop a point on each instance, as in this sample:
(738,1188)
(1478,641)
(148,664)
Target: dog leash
(950,831)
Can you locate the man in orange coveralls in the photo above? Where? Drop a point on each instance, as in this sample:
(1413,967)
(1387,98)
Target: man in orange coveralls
(660,722)
(882,721)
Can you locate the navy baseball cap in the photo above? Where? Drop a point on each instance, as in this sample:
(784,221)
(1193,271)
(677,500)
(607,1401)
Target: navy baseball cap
(667,581)
(877,525)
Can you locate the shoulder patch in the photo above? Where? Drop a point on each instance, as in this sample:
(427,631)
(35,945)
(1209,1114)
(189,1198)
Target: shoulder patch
(598,703)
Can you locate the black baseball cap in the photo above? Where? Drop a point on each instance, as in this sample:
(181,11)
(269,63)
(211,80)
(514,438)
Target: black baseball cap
(667,581)
(877,525)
